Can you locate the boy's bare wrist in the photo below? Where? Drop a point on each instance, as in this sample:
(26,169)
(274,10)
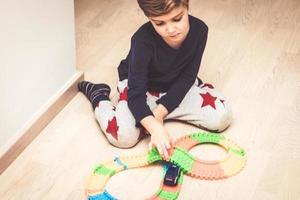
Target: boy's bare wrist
(160,112)
(150,123)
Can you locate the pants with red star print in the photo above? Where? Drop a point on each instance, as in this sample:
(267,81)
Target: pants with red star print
(202,106)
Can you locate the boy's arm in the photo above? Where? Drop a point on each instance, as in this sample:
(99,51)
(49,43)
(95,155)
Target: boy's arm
(141,53)
(179,89)
(137,89)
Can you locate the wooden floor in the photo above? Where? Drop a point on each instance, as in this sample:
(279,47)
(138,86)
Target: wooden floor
(252,56)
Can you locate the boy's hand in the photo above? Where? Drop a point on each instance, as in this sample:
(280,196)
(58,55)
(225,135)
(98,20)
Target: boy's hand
(162,141)
(159,135)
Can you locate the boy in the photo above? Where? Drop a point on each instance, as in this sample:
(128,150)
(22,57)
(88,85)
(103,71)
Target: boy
(158,80)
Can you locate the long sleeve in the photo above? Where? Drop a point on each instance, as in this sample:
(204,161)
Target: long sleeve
(141,53)
(182,85)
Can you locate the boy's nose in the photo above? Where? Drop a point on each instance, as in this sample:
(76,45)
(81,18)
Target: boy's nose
(170,30)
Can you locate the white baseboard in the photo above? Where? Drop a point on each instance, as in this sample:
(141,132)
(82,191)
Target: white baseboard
(31,130)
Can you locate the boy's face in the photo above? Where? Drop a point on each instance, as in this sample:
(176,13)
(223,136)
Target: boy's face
(172,27)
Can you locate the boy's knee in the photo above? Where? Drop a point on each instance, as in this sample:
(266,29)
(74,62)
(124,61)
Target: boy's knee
(221,121)
(125,144)
(126,139)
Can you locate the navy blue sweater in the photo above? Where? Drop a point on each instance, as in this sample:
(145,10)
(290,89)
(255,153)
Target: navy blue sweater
(152,65)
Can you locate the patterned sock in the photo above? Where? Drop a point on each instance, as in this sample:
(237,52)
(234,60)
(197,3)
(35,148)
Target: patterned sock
(94,92)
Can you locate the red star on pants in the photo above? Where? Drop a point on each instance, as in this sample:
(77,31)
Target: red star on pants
(113,128)
(156,94)
(124,95)
(208,100)
(208,85)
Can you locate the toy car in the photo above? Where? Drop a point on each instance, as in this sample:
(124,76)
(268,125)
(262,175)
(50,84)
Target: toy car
(172,175)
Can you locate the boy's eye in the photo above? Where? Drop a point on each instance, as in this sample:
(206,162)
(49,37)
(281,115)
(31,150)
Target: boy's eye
(178,19)
(159,24)
(175,20)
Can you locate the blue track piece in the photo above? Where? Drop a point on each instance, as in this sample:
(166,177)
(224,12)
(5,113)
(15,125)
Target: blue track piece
(103,196)
(119,162)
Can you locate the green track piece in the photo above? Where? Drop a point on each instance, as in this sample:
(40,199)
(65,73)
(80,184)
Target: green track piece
(153,156)
(168,195)
(183,159)
(239,152)
(180,179)
(101,169)
(207,137)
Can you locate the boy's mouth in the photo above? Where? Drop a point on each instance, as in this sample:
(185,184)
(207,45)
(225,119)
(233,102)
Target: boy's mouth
(174,36)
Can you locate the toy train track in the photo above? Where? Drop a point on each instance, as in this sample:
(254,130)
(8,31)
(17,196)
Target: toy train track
(190,165)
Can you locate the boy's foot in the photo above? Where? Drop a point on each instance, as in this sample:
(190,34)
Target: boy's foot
(94,92)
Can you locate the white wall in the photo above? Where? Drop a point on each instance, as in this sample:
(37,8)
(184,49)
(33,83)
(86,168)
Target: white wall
(37,57)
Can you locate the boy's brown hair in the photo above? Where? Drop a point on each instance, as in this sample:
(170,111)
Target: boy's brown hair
(154,8)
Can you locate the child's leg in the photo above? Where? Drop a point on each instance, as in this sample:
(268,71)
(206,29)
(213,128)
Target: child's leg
(204,106)
(117,122)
